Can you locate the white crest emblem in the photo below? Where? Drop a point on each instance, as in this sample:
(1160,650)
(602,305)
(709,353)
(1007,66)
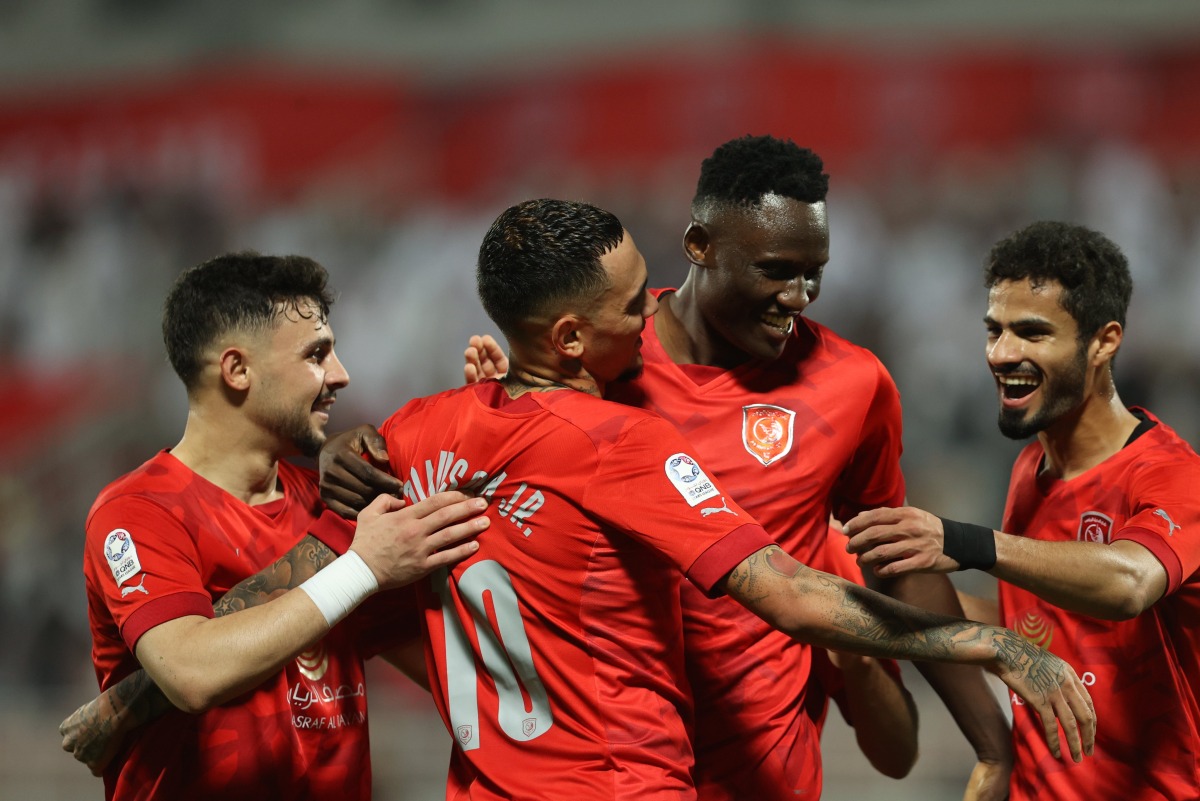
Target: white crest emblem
(121,555)
(1094,527)
(689,479)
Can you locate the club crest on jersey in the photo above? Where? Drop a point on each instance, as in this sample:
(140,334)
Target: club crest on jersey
(767,431)
(121,555)
(465,734)
(1094,527)
(688,479)
(1035,629)
(314,662)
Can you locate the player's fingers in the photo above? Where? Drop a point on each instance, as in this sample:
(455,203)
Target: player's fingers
(450,535)
(451,556)
(1085,713)
(899,567)
(445,508)
(1070,727)
(871,517)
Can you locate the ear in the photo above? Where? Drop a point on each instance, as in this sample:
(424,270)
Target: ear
(695,244)
(1106,343)
(235,369)
(566,336)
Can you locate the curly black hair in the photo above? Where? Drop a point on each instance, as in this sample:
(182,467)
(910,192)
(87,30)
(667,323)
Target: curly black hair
(237,291)
(741,171)
(1093,272)
(541,252)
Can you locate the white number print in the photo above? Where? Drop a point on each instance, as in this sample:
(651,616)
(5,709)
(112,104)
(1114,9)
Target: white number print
(506,655)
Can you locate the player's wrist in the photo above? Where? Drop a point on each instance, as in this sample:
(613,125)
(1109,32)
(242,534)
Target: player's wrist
(972,546)
(340,586)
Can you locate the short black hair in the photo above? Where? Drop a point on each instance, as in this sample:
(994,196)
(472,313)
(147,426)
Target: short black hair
(1091,269)
(236,291)
(741,171)
(541,252)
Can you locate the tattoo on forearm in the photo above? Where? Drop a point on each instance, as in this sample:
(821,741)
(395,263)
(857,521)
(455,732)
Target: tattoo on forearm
(285,573)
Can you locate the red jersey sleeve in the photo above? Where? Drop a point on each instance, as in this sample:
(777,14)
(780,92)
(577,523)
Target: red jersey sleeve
(144,562)
(334,531)
(649,485)
(873,477)
(1166,517)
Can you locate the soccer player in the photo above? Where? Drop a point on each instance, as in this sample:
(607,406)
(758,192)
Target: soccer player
(799,424)
(1099,564)
(556,650)
(275,693)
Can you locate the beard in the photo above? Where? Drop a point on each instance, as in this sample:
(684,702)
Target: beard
(296,426)
(1061,393)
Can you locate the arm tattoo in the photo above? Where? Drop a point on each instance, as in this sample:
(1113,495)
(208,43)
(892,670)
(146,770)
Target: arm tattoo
(287,572)
(141,696)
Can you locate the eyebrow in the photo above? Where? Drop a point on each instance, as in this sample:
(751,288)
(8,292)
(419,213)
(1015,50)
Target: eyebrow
(1023,322)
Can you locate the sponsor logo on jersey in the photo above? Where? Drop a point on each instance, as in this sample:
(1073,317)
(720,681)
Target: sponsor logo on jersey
(689,479)
(1032,627)
(1173,525)
(712,510)
(767,431)
(139,587)
(314,662)
(121,555)
(1095,527)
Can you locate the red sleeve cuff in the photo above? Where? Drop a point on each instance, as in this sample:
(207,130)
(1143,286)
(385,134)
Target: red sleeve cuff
(161,610)
(1154,543)
(334,531)
(725,554)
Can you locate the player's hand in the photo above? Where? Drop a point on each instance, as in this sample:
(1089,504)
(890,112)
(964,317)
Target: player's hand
(348,480)
(92,733)
(484,359)
(988,782)
(895,542)
(402,543)
(1050,687)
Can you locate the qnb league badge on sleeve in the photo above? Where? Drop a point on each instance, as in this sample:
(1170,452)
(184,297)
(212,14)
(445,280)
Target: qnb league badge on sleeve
(121,555)
(767,431)
(688,479)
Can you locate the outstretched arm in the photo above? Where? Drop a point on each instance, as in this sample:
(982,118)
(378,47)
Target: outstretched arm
(93,733)
(828,611)
(1113,582)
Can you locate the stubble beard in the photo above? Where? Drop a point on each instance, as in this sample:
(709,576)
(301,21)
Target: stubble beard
(1060,394)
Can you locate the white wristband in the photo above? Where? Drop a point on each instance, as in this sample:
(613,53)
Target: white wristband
(340,586)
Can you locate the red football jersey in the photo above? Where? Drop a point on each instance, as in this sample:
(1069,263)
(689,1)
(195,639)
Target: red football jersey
(163,543)
(556,650)
(814,432)
(826,680)
(1143,673)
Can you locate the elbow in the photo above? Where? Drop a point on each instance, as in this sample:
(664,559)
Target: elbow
(190,694)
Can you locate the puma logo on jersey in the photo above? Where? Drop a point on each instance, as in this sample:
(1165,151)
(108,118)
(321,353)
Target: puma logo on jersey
(724,507)
(1173,525)
(139,587)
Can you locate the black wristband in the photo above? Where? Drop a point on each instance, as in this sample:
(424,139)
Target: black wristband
(970,545)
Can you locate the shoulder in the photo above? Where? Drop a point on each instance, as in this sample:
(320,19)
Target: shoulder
(155,481)
(821,345)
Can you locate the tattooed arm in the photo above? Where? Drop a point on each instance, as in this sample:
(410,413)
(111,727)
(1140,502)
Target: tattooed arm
(825,610)
(94,732)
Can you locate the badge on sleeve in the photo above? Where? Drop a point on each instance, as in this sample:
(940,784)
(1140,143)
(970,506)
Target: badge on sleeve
(121,554)
(688,479)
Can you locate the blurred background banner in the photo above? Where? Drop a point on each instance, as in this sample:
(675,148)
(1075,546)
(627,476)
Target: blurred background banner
(139,137)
